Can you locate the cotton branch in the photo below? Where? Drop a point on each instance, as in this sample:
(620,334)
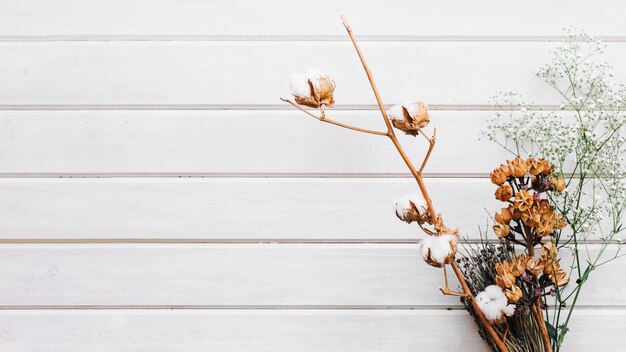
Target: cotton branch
(336,123)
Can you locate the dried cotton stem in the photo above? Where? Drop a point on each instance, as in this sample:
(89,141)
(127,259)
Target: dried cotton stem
(417,174)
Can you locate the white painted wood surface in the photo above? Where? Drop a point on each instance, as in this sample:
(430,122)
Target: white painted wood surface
(131,132)
(274,330)
(178,73)
(234,275)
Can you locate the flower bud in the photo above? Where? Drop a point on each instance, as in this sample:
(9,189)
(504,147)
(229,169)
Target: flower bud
(409,117)
(439,250)
(314,88)
(504,216)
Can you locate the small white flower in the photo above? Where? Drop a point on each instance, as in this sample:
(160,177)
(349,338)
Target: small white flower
(619,241)
(494,304)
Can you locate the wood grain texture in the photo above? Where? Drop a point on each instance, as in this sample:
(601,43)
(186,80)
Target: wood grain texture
(275,331)
(235,275)
(230,208)
(148,73)
(231,142)
(286,18)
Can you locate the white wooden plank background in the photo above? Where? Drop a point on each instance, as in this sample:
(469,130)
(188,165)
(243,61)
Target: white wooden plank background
(177,73)
(235,275)
(131,132)
(274,330)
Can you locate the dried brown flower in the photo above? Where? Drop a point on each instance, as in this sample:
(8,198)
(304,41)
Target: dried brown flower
(513,294)
(504,277)
(535,166)
(518,266)
(504,216)
(560,278)
(558,183)
(518,167)
(534,266)
(546,167)
(523,200)
(501,230)
(498,176)
(504,193)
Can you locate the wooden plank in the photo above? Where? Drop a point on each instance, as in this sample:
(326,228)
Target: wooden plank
(272,331)
(231,73)
(231,142)
(284,18)
(238,275)
(230,208)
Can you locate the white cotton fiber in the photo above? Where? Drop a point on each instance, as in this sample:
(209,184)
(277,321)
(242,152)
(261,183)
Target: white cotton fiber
(299,85)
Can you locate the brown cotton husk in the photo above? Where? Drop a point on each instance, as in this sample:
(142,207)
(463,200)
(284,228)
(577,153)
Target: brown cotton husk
(412,124)
(322,93)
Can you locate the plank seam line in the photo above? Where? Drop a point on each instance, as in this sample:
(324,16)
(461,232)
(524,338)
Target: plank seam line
(239,175)
(303,241)
(291,38)
(264,307)
(256,107)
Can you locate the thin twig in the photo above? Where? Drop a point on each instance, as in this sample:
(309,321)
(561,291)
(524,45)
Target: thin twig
(391,133)
(336,123)
(431,145)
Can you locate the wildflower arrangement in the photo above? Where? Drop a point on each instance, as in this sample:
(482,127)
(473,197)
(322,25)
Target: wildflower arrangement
(574,188)
(504,289)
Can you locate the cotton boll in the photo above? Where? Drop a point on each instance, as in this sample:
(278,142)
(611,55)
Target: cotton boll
(494,304)
(411,208)
(314,88)
(396,113)
(299,85)
(411,107)
(409,117)
(439,250)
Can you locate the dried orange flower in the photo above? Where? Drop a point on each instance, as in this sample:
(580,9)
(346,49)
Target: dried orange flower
(504,277)
(534,265)
(501,230)
(523,200)
(504,216)
(409,117)
(498,176)
(531,217)
(549,252)
(546,167)
(535,166)
(504,193)
(558,183)
(544,207)
(518,266)
(513,294)
(314,88)
(560,278)
(518,167)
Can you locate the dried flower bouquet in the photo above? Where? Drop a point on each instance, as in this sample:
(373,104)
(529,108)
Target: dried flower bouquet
(503,288)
